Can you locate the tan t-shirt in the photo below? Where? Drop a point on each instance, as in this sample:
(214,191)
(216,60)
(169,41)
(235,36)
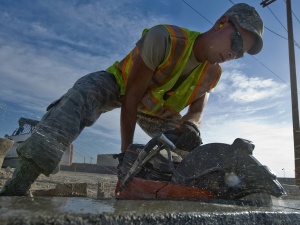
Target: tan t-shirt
(154,47)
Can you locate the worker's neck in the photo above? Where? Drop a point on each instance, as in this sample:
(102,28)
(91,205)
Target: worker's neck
(200,47)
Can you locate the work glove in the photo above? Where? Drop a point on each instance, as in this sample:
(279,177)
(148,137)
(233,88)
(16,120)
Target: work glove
(186,137)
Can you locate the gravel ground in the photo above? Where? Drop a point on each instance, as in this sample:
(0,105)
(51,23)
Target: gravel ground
(92,179)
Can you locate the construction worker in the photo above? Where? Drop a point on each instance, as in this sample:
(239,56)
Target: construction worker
(169,69)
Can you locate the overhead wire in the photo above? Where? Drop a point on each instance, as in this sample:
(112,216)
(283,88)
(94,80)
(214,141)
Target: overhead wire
(197,12)
(276,33)
(84,157)
(79,154)
(295,43)
(293,14)
(277,18)
(295,17)
(271,71)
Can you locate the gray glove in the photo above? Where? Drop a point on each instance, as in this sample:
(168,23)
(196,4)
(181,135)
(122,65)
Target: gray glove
(186,137)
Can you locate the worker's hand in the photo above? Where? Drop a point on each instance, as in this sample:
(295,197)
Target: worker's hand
(186,137)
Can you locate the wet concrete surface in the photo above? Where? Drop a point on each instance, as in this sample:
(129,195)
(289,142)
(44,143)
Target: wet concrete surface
(76,210)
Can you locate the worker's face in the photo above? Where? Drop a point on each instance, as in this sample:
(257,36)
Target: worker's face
(230,42)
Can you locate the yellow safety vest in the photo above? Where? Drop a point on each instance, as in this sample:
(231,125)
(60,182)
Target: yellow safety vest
(166,75)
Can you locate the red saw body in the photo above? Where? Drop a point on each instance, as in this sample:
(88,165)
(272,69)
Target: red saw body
(211,171)
(139,189)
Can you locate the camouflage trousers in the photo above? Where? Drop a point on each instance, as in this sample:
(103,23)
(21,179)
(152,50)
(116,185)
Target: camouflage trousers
(80,107)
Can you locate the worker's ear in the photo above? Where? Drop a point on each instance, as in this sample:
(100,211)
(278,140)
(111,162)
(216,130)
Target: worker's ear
(221,22)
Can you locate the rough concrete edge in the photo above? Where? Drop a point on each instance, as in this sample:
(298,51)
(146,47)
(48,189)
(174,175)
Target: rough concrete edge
(251,217)
(64,190)
(5,145)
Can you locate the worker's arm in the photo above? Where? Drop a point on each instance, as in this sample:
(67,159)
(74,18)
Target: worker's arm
(187,136)
(138,82)
(195,110)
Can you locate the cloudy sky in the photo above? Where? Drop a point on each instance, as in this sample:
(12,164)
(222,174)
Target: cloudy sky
(45,46)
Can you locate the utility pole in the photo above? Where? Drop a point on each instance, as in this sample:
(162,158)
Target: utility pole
(294,92)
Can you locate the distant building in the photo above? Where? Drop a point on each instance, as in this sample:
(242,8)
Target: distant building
(107,160)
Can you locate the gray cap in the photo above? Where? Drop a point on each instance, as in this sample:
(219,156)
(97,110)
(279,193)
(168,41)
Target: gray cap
(248,18)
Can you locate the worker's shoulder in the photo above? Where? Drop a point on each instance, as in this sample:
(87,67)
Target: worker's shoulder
(164,28)
(156,32)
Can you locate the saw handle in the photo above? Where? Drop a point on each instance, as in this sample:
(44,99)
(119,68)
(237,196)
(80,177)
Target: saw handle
(150,150)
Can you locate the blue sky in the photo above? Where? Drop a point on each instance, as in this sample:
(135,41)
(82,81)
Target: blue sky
(45,46)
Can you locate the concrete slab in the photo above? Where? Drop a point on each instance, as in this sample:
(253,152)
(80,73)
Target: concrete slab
(71,189)
(5,145)
(64,190)
(66,210)
(291,190)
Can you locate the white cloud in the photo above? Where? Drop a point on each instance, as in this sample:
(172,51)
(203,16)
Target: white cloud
(43,61)
(244,89)
(254,108)
(273,142)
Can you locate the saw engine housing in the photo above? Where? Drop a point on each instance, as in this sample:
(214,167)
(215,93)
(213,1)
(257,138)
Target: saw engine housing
(228,171)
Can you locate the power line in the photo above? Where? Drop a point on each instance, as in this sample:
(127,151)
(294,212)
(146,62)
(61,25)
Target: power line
(276,33)
(295,43)
(197,12)
(296,17)
(277,18)
(271,71)
(81,155)
(293,14)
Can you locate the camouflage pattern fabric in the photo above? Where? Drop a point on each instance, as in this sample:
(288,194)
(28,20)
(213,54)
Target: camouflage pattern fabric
(248,18)
(24,175)
(154,126)
(81,106)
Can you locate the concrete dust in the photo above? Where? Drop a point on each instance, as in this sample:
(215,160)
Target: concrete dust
(44,183)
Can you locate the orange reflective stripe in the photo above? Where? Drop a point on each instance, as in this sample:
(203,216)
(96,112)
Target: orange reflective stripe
(173,56)
(154,104)
(127,63)
(181,46)
(124,65)
(167,74)
(198,84)
(174,42)
(181,55)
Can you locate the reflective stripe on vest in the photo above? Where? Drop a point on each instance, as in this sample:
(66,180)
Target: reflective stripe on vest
(166,75)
